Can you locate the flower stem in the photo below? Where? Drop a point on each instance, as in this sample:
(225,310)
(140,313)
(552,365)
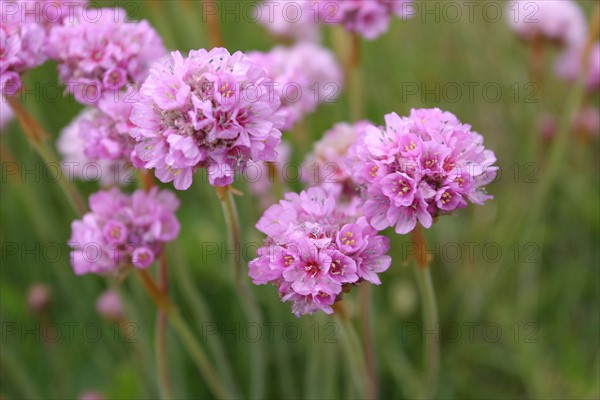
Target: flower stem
(212,23)
(355,80)
(248,301)
(160,337)
(369,342)
(38,139)
(164,303)
(430,314)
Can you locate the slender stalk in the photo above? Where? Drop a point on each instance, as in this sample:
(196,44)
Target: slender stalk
(212,23)
(366,324)
(185,334)
(160,344)
(536,61)
(352,351)
(355,80)
(246,296)
(430,314)
(38,139)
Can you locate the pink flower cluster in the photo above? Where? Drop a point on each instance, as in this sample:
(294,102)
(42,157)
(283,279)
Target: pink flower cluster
(22,47)
(123,230)
(48,13)
(315,250)
(369,18)
(568,66)
(296,19)
(326,165)
(209,110)
(100,57)
(419,167)
(560,21)
(304,75)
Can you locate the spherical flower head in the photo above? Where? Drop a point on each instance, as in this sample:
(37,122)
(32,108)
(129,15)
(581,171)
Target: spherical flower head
(369,18)
(212,110)
(48,13)
(6,114)
(79,161)
(109,306)
(290,18)
(326,165)
(568,66)
(22,47)
(418,168)
(123,230)
(39,297)
(315,250)
(304,75)
(558,21)
(98,58)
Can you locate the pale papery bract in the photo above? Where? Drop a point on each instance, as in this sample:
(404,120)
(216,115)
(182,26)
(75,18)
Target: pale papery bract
(315,250)
(98,58)
(304,75)
(559,21)
(212,110)
(419,167)
(123,230)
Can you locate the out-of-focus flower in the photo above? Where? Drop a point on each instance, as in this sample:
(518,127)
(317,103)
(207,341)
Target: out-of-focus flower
(77,164)
(22,47)
(123,230)
(369,18)
(100,57)
(91,395)
(326,165)
(587,122)
(109,306)
(39,297)
(304,75)
(209,110)
(315,250)
(297,19)
(420,167)
(568,66)
(6,114)
(48,13)
(560,21)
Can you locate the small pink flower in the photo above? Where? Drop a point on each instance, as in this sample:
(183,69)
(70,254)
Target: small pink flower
(109,306)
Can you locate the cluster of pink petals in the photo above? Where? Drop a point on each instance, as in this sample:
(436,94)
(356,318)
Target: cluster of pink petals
(315,250)
(419,167)
(296,19)
(22,47)
(560,21)
(369,18)
(304,75)
(209,110)
(49,13)
(123,230)
(326,164)
(100,57)
(569,65)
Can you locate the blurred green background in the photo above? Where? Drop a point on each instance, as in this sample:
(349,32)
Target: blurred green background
(518,295)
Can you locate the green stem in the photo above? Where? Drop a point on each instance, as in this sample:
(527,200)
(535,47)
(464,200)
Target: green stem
(431,323)
(369,342)
(160,338)
(353,353)
(249,304)
(186,336)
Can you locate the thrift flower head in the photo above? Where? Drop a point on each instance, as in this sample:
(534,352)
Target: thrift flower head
(81,158)
(122,230)
(209,110)
(100,57)
(326,165)
(109,306)
(315,250)
(296,19)
(304,75)
(22,47)
(420,167)
(560,21)
(568,66)
(49,13)
(369,18)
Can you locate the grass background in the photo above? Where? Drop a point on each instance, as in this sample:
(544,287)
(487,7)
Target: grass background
(523,324)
